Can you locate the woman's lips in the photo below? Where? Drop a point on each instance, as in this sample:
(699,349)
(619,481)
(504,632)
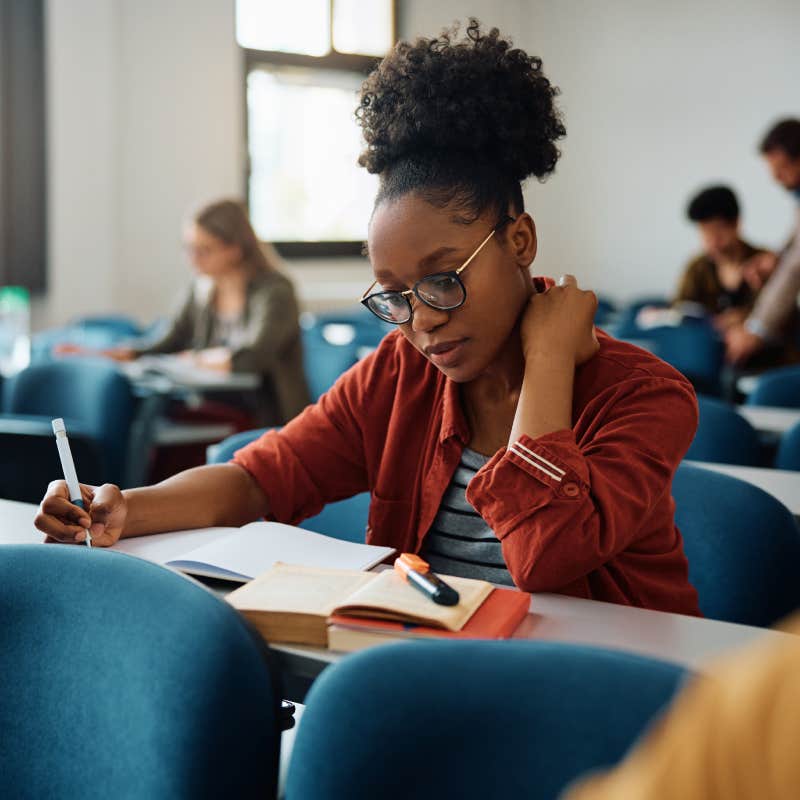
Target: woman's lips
(445,354)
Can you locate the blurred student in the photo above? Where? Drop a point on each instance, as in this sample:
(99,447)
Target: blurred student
(726,277)
(731,735)
(769,334)
(240,314)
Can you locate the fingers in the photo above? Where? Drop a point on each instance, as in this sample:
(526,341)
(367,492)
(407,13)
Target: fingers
(568,280)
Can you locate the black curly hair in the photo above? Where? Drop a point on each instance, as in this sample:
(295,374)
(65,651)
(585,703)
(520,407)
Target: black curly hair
(463,123)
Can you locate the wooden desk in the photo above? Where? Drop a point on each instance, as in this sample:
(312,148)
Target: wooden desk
(782,484)
(688,641)
(765,419)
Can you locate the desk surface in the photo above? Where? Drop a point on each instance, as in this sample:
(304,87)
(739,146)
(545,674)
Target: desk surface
(782,484)
(687,641)
(167,374)
(767,419)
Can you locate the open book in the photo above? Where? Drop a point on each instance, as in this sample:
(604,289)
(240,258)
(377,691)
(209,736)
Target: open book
(237,554)
(295,604)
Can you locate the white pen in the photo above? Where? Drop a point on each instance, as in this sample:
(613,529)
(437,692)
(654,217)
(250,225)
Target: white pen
(68,466)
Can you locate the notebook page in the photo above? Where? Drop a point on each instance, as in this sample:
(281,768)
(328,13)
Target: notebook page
(164,547)
(256,547)
(389,592)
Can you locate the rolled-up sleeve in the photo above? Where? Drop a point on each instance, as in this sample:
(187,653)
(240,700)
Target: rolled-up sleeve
(562,508)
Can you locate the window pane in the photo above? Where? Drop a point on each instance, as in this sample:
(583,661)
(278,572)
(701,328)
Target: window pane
(298,26)
(305,184)
(362,26)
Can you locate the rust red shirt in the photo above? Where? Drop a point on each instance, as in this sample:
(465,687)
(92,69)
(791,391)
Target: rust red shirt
(585,512)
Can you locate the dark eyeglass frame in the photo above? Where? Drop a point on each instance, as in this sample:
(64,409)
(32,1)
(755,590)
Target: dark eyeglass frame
(454,273)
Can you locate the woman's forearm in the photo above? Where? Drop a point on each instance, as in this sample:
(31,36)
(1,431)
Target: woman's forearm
(203,497)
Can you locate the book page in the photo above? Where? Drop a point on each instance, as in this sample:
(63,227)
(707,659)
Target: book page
(299,590)
(253,549)
(390,593)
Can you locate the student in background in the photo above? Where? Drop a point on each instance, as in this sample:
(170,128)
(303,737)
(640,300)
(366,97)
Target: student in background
(498,433)
(731,735)
(769,335)
(726,277)
(239,315)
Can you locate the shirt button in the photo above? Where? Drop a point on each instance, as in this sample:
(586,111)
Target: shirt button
(571,489)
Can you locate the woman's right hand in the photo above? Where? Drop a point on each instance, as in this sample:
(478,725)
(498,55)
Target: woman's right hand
(62,521)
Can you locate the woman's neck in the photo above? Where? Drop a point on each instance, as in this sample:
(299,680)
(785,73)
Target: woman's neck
(490,401)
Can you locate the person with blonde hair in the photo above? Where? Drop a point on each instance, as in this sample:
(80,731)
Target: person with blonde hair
(239,315)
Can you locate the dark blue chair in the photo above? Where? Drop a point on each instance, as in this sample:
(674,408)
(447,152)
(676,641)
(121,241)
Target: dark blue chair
(324,362)
(29,457)
(122,679)
(605,311)
(777,387)
(472,719)
(626,326)
(788,456)
(89,392)
(345,519)
(743,547)
(694,349)
(723,436)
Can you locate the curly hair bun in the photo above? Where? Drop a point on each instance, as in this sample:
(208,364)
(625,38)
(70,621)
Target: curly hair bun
(475,100)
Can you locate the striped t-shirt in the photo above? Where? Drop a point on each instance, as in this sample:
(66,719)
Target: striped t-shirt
(459,541)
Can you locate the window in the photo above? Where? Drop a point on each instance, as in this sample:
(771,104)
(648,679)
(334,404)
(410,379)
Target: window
(305,62)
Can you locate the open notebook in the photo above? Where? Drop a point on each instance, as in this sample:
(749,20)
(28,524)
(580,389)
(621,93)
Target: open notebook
(238,554)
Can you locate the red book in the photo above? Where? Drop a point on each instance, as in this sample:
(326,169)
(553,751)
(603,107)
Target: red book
(497,618)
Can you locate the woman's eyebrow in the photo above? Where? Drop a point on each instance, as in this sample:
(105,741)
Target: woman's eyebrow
(437,255)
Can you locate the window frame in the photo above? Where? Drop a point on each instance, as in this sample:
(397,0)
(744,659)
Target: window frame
(333,60)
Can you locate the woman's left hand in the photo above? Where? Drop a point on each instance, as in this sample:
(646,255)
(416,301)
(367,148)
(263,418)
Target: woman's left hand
(560,321)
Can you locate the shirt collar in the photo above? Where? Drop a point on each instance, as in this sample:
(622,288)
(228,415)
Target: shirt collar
(454,423)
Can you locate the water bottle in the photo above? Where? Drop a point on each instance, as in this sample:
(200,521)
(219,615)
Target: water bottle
(15,330)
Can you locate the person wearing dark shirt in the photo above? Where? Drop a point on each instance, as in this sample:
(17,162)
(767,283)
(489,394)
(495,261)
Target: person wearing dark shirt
(725,278)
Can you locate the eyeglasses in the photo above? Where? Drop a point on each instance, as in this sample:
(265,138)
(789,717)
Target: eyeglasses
(443,291)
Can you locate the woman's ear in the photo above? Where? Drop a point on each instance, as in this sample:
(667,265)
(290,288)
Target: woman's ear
(523,240)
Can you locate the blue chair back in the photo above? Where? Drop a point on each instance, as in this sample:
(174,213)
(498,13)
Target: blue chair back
(325,362)
(777,387)
(345,519)
(122,679)
(29,458)
(627,327)
(723,435)
(742,544)
(788,456)
(89,392)
(472,719)
(694,349)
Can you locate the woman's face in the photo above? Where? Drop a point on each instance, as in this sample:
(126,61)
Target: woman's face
(410,239)
(208,253)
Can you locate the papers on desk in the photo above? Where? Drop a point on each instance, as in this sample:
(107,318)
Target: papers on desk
(239,554)
(183,372)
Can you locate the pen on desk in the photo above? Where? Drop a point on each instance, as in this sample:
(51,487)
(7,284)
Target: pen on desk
(68,467)
(418,573)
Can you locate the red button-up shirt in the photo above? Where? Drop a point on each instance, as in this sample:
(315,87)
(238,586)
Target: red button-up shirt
(585,512)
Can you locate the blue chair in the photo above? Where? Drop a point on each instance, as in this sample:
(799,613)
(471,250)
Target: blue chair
(122,679)
(693,348)
(788,456)
(605,311)
(777,387)
(723,436)
(345,519)
(90,393)
(29,458)
(472,719)
(627,327)
(742,544)
(325,362)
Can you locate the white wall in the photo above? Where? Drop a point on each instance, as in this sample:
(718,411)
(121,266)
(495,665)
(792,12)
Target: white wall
(145,120)
(81,42)
(659,100)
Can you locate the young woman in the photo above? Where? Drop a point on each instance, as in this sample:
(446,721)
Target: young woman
(498,433)
(240,314)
